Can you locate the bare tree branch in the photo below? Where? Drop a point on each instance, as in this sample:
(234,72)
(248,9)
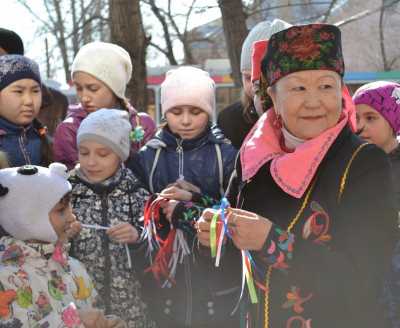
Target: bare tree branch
(382,38)
(328,12)
(364,14)
(169,52)
(251,13)
(36,16)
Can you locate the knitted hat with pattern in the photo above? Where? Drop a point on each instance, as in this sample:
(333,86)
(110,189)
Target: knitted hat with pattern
(17,67)
(384,97)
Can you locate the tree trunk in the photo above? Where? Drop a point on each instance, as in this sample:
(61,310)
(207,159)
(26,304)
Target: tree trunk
(127,31)
(75,41)
(382,38)
(61,40)
(235,30)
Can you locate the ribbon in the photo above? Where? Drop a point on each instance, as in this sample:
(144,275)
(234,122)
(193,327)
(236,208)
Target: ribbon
(100,227)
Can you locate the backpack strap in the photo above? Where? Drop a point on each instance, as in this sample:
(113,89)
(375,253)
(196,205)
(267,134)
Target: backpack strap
(153,168)
(220,169)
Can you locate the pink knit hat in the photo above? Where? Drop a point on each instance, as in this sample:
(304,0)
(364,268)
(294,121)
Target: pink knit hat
(384,97)
(188,86)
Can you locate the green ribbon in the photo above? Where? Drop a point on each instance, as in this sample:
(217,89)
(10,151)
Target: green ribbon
(213,235)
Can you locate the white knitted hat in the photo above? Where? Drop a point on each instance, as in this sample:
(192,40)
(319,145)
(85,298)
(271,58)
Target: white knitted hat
(109,127)
(32,192)
(261,31)
(188,86)
(107,62)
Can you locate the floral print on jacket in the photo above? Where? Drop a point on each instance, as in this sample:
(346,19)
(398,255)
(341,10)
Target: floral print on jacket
(36,290)
(118,199)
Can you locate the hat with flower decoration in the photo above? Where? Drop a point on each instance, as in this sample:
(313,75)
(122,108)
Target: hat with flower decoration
(304,47)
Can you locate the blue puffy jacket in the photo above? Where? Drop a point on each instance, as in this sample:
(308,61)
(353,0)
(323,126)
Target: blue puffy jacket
(22,145)
(206,161)
(202,295)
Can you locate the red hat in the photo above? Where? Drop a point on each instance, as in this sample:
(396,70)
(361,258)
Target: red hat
(259,49)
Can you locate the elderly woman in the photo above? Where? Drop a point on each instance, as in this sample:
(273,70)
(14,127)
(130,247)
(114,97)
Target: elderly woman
(315,204)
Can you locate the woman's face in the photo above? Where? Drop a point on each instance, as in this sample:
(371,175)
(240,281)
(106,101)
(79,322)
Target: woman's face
(92,93)
(373,128)
(187,121)
(20,101)
(309,102)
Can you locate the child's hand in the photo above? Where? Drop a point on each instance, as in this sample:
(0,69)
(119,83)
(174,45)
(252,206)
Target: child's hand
(187,186)
(173,192)
(168,208)
(93,318)
(73,229)
(123,233)
(115,322)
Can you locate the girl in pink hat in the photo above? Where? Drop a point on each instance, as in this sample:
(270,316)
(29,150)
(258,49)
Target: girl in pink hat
(378,121)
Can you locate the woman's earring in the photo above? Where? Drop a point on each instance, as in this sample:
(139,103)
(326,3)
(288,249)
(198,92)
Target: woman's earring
(277,122)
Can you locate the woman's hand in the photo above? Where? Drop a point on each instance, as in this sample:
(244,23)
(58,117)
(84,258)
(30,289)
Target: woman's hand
(248,230)
(203,226)
(123,233)
(168,208)
(176,193)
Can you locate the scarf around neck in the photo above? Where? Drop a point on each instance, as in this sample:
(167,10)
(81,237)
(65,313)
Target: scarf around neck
(294,171)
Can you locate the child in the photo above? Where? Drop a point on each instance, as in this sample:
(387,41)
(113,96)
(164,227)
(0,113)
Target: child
(378,120)
(39,285)
(106,194)
(188,154)
(22,137)
(100,73)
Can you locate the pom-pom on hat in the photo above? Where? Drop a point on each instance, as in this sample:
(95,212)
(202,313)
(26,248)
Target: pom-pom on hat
(27,194)
(384,97)
(11,42)
(107,62)
(188,86)
(261,31)
(301,48)
(17,67)
(109,127)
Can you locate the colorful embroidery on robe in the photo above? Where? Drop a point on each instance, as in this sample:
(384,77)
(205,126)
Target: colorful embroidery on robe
(279,245)
(292,322)
(295,301)
(317,225)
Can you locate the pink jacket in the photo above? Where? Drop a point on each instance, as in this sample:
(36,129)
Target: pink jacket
(65,148)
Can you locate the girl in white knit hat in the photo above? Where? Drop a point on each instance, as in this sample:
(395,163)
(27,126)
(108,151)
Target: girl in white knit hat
(40,286)
(189,164)
(100,73)
(108,200)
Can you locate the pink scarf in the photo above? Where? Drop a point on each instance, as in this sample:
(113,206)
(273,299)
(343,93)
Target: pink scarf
(293,172)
